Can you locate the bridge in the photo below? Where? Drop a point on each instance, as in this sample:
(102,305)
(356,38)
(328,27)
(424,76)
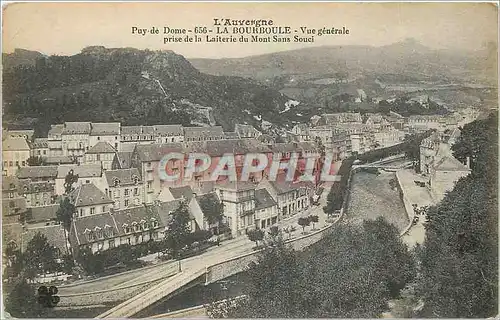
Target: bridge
(193,274)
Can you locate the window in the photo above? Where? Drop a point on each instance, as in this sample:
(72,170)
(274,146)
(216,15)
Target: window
(44,152)
(92,210)
(126,203)
(99,234)
(5,163)
(81,212)
(103,209)
(126,192)
(117,183)
(98,138)
(17,163)
(98,157)
(11,164)
(87,181)
(137,227)
(111,243)
(24,163)
(136,191)
(116,146)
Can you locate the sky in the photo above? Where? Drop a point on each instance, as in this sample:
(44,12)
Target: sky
(66,28)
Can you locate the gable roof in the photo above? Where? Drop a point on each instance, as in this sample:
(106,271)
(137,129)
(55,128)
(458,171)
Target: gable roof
(87,195)
(40,143)
(90,223)
(263,199)
(83,171)
(37,172)
(156,151)
(101,147)
(124,159)
(76,128)
(450,163)
(168,130)
(195,132)
(105,128)
(125,176)
(181,192)
(15,144)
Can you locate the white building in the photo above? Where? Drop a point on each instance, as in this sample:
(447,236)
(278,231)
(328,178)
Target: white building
(15,154)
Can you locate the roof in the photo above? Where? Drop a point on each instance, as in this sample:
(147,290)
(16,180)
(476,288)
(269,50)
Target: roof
(15,144)
(54,234)
(9,183)
(39,143)
(83,171)
(76,128)
(333,118)
(195,132)
(263,199)
(235,185)
(134,215)
(165,208)
(285,186)
(293,147)
(450,163)
(56,129)
(9,206)
(231,135)
(124,159)
(181,192)
(105,222)
(101,147)
(168,130)
(156,151)
(44,213)
(138,130)
(124,176)
(233,146)
(105,128)
(88,195)
(37,172)
(245,130)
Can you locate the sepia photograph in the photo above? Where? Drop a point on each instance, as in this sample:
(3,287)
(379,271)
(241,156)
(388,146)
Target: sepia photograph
(249,160)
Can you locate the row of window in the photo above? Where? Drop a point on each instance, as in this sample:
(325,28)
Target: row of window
(92,211)
(127,192)
(11,164)
(138,227)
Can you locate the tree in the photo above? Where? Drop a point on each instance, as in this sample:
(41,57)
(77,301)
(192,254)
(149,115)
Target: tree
(314,219)
(21,301)
(39,257)
(304,222)
(69,181)
(65,215)
(255,235)
(213,210)
(459,258)
(178,229)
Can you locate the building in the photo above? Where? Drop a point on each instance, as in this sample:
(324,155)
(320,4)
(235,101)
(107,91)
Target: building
(25,134)
(37,193)
(87,173)
(101,153)
(444,175)
(203,133)
(42,216)
(125,188)
(13,203)
(89,200)
(168,133)
(15,154)
(429,148)
(54,140)
(75,139)
(132,135)
(39,147)
(246,131)
(266,209)
(105,132)
(290,197)
(38,174)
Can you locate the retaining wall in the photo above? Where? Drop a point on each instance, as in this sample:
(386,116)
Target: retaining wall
(408,205)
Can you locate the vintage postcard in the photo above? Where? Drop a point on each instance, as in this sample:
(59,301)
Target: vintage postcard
(249,160)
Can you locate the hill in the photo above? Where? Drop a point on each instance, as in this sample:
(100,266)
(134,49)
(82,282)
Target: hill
(132,86)
(407,57)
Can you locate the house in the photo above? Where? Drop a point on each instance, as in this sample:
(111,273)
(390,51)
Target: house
(428,151)
(13,203)
(101,153)
(124,187)
(108,132)
(266,209)
(238,199)
(203,133)
(54,233)
(246,131)
(54,140)
(38,174)
(444,174)
(343,117)
(75,139)
(39,147)
(176,193)
(165,210)
(87,173)
(215,228)
(89,200)
(132,135)
(58,160)
(168,133)
(15,154)
(291,197)
(25,134)
(301,131)
(37,193)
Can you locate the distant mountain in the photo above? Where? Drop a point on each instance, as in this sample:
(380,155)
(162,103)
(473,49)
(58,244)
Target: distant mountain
(408,57)
(20,57)
(134,87)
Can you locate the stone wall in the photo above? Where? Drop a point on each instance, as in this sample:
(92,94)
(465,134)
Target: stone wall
(408,205)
